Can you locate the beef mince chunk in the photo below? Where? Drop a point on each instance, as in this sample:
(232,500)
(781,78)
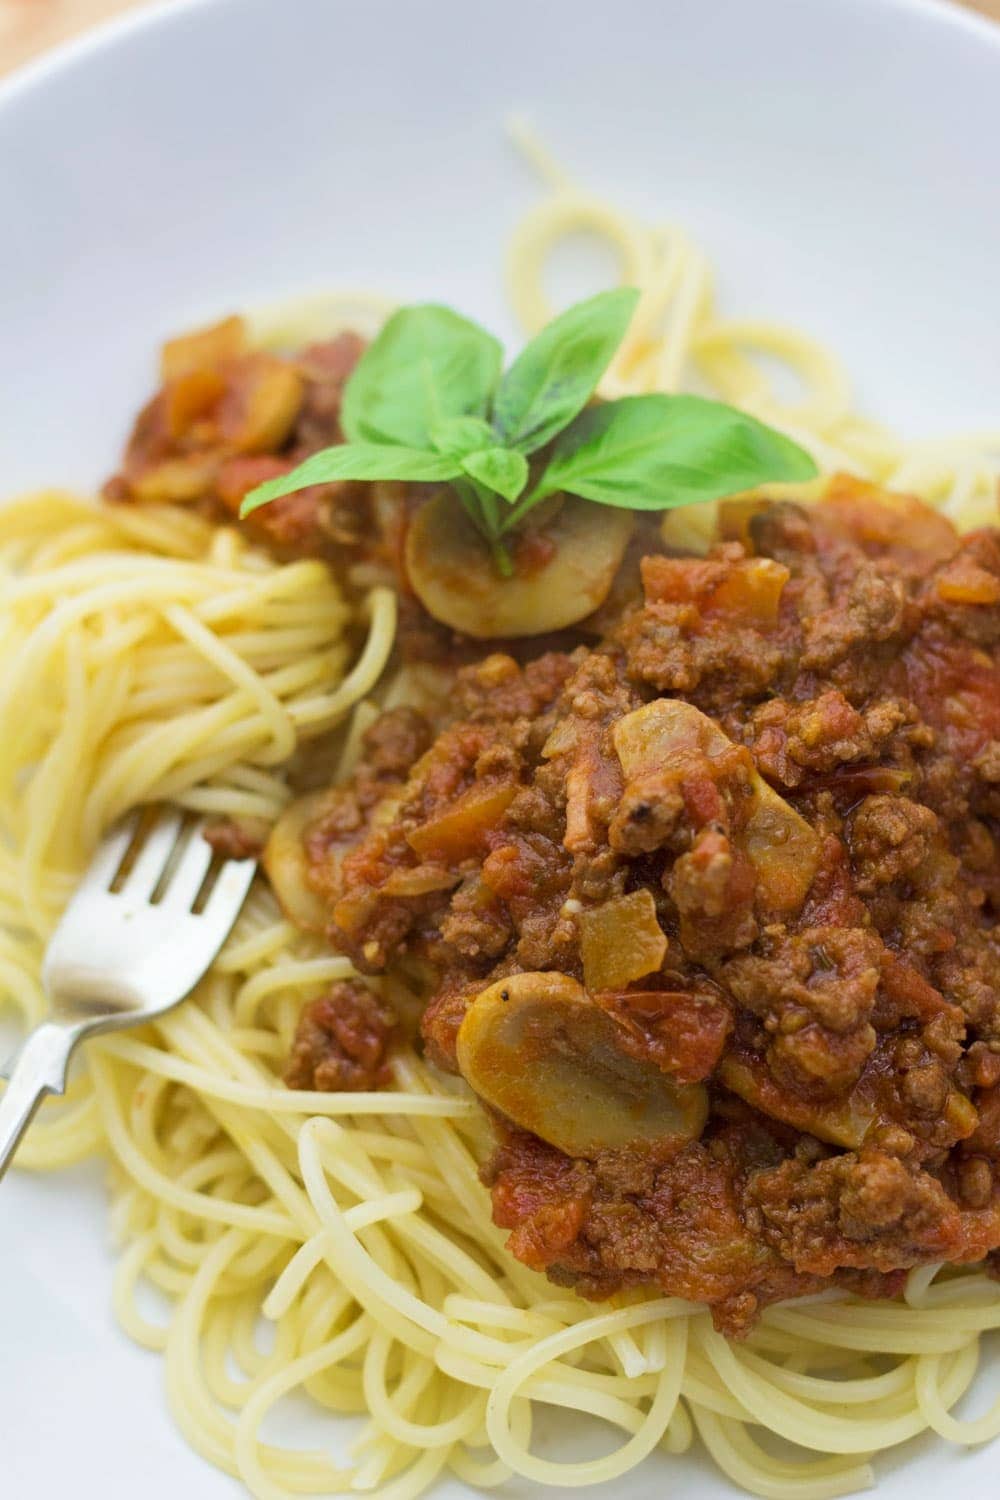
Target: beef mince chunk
(342,1041)
(771,789)
(867,1210)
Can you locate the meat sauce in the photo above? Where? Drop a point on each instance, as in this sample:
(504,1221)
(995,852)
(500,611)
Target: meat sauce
(835,989)
(754,821)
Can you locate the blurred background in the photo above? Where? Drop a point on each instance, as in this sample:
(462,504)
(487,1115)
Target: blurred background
(29,27)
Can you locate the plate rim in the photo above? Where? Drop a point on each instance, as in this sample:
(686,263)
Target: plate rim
(75,51)
(934,17)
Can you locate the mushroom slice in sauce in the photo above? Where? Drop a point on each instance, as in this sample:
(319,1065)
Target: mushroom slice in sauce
(563,570)
(780,845)
(287,865)
(538,1050)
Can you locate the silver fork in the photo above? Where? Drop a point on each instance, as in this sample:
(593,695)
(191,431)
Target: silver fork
(151,913)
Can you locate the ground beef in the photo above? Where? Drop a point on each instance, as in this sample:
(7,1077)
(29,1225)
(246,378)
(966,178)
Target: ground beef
(890,839)
(342,1042)
(238,838)
(391,747)
(870,1210)
(598,1226)
(811,857)
(792,741)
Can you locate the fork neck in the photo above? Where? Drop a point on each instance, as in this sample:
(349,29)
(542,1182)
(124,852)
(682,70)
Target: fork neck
(37,1069)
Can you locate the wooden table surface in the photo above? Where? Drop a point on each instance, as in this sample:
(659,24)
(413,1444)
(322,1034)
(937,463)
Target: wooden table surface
(28,27)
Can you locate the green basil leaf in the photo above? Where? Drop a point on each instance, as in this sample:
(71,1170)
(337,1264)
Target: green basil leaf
(499,469)
(555,376)
(458,436)
(427,363)
(657,452)
(355,461)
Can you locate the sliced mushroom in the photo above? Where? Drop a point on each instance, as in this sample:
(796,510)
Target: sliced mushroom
(538,1050)
(287,866)
(782,847)
(262,401)
(561,578)
(842,1122)
(203,348)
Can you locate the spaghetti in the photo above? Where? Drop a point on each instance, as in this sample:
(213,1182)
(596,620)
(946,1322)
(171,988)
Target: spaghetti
(148,655)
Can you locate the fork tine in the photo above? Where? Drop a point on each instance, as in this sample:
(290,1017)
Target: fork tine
(186,879)
(230,890)
(110,852)
(153,856)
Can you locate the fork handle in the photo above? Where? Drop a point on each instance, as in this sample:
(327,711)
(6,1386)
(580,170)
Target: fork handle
(37,1069)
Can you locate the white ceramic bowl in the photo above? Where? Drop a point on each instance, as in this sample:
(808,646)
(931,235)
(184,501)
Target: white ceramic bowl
(839,158)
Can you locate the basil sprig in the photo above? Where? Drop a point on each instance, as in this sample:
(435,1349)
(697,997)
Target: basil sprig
(428,402)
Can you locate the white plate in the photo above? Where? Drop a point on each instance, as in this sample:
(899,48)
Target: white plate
(838,158)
